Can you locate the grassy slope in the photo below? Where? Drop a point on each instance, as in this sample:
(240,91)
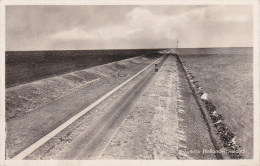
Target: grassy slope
(28,66)
(27,97)
(228,79)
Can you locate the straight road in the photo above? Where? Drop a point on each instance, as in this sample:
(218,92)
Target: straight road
(26,130)
(152,117)
(91,143)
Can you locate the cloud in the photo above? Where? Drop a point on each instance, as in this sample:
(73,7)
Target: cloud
(72,34)
(229,13)
(146,27)
(136,26)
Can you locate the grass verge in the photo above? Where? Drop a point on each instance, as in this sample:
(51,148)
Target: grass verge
(228,80)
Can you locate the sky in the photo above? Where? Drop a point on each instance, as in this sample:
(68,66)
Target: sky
(127,27)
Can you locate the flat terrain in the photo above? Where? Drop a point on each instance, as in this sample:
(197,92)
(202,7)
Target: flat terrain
(152,116)
(146,119)
(227,76)
(27,66)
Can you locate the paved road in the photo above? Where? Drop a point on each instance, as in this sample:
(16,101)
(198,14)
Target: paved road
(91,143)
(151,129)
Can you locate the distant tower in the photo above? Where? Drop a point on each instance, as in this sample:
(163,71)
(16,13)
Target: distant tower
(177,44)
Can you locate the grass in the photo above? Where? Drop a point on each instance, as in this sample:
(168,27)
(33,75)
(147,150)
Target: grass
(228,79)
(28,66)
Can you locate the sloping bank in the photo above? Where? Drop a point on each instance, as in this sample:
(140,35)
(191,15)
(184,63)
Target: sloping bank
(219,129)
(28,97)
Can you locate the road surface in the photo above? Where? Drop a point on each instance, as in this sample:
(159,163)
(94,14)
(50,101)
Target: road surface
(91,143)
(153,116)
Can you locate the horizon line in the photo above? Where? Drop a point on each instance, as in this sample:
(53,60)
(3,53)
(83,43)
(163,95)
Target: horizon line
(125,49)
